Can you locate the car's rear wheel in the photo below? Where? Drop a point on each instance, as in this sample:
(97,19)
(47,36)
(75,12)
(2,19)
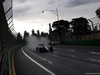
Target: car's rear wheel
(51,49)
(41,50)
(36,49)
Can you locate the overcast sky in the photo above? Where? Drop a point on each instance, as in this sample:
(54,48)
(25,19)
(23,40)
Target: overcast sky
(28,13)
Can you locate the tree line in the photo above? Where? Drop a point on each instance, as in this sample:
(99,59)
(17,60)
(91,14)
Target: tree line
(78,26)
(26,34)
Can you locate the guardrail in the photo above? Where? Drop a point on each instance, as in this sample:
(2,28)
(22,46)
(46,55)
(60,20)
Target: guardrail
(7,39)
(4,61)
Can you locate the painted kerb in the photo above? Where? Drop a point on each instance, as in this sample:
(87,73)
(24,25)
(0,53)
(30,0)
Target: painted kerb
(11,50)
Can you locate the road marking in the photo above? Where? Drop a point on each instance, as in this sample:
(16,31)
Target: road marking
(41,58)
(98,60)
(95,60)
(55,48)
(54,52)
(95,53)
(47,70)
(72,50)
(72,55)
(98,53)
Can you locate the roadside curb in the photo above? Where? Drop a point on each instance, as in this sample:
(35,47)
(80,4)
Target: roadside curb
(10,56)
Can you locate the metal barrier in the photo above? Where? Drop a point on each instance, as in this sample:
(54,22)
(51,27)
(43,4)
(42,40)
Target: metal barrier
(6,20)
(4,61)
(8,9)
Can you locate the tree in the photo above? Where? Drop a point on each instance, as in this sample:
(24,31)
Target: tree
(60,25)
(80,26)
(26,34)
(42,33)
(38,33)
(98,12)
(33,33)
(19,37)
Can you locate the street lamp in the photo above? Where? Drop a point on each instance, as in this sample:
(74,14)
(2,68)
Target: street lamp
(92,28)
(55,11)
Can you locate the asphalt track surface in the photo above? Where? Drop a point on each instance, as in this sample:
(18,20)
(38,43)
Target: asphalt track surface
(65,60)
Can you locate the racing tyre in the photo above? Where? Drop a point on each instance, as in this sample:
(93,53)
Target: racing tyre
(41,50)
(51,49)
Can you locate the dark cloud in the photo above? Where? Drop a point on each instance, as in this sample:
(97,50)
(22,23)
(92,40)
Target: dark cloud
(22,11)
(21,8)
(73,3)
(21,1)
(29,12)
(51,1)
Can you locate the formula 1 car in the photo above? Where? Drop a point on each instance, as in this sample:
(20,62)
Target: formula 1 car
(44,48)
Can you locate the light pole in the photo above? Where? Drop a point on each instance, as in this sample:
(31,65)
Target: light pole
(92,28)
(55,11)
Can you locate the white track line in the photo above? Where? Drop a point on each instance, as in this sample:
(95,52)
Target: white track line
(40,57)
(47,70)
